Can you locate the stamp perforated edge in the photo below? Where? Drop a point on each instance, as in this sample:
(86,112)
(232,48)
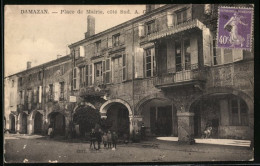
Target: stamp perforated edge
(252,25)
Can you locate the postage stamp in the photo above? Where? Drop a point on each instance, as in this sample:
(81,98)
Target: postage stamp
(235,28)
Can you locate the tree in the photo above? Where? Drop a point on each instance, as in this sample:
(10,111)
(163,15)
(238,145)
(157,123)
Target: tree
(86,117)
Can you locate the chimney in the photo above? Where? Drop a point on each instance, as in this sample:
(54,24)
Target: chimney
(29,65)
(151,7)
(90,26)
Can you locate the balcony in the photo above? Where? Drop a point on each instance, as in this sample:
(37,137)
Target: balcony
(180,78)
(93,91)
(193,24)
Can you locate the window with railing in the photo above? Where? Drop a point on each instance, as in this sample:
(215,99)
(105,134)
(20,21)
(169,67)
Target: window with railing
(182,55)
(183,15)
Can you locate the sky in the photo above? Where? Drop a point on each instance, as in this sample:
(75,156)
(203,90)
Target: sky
(39,38)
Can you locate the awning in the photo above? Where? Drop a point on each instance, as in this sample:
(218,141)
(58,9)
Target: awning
(176,29)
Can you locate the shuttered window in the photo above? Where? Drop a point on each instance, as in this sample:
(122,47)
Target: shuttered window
(51,92)
(62,85)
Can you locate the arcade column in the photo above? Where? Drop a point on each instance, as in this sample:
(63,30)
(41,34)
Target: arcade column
(186,127)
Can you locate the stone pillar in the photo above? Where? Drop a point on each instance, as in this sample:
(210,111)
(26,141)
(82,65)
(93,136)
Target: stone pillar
(186,127)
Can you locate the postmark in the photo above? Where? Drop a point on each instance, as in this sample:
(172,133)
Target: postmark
(235,28)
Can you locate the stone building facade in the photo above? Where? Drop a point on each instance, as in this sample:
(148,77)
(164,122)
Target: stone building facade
(162,69)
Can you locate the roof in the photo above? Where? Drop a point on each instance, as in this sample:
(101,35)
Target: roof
(61,59)
(124,24)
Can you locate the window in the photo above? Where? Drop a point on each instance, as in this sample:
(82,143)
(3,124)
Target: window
(98,73)
(20,81)
(50,92)
(182,55)
(182,16)
(62,90)
(40,75)
(107,71)
(82,76)
(216,54)
(150,65)
(98,46)
(117,70)
(239,112)
(88,77)
(30,77)
(116,40)
(150,27)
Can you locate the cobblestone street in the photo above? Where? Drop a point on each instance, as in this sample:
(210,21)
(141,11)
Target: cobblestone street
(38,149)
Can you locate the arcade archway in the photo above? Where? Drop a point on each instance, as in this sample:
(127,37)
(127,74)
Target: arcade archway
(57,122)
(159,117)
(226,114)
(38,120)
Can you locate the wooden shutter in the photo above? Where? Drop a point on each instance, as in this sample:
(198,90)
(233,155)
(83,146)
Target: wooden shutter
(175,19)
(47,93)
(40,94)
(77,78)
(170,57)
(170,19)
(237,54)
(206,46)
(81,51)
(87,75)
(108,70)
(90,74)
(56,91)
(124,67)
(109,42)
(35,95)
(194,51)
(139,63)
(104,71)
(23,96)
(189,14)
(141,30)
(122,39)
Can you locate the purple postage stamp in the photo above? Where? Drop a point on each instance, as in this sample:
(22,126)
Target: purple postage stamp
(235,27)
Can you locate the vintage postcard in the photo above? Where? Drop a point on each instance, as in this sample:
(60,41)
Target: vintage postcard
(128,83)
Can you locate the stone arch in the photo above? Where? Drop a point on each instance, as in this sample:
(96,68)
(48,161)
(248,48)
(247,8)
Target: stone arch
(245,131)
(23,122)
(149,98)
(107,104)
(12,122)
(249,101)
(62,122)
(83,104)
(31,120)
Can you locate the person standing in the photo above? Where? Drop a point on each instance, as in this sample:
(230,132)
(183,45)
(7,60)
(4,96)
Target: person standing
(104,138)
(99,138)
(114,139)
(109,139)
(92,138)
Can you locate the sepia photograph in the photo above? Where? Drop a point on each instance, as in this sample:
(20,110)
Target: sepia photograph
(128,83)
